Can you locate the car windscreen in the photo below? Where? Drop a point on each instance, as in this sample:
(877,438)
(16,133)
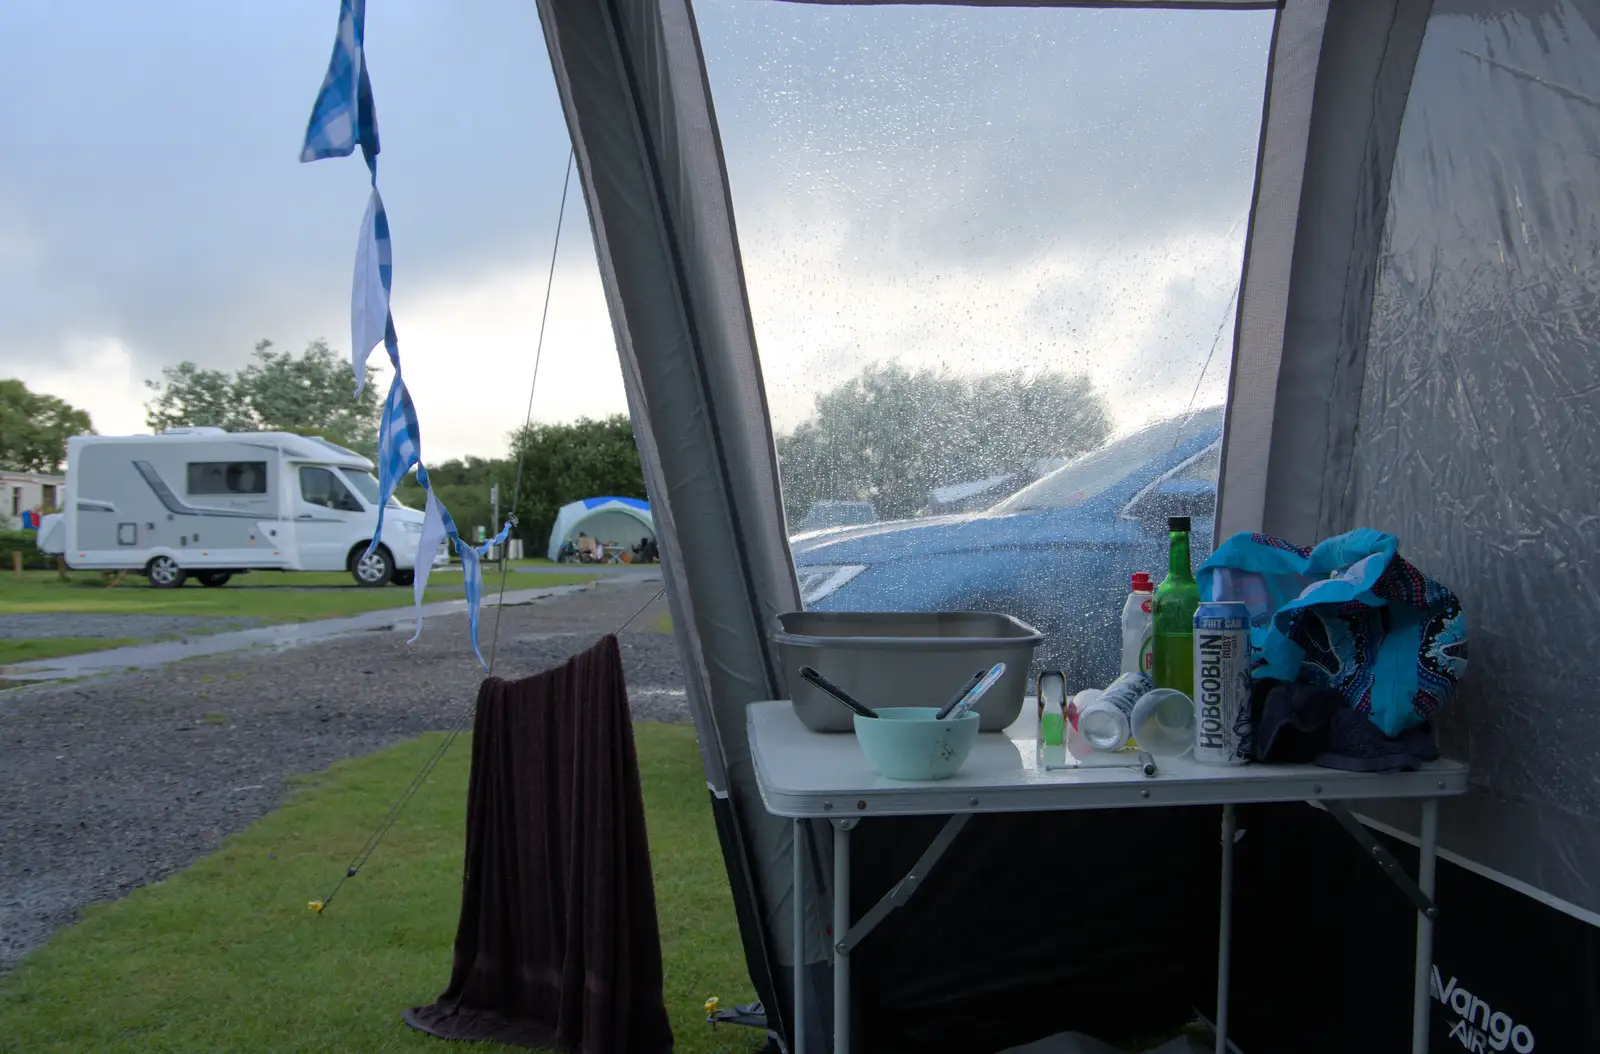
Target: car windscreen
(1100,470)
(366,484)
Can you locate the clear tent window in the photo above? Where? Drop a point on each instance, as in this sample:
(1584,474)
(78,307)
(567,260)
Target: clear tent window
(982,245)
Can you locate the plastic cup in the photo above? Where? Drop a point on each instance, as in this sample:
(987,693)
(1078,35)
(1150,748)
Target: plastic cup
(1163,723)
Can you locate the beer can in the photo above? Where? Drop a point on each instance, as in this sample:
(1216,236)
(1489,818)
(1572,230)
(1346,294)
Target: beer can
(1222,683)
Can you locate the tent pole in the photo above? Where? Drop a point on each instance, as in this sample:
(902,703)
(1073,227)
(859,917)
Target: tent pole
(1427,860)
(1225,929)
(841,926)
(799,901)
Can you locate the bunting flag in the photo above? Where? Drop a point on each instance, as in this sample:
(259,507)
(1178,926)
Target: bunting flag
(343,118)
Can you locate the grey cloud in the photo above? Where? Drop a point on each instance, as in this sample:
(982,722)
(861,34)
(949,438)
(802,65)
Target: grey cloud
(150,188)
(979,133)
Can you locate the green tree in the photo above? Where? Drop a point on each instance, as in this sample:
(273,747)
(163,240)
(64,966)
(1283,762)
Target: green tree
(890,435)
(311,394)
(566,462)
(561,463)
(463,485)
(34,428)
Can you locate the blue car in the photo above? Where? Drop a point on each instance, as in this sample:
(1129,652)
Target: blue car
(1057,554)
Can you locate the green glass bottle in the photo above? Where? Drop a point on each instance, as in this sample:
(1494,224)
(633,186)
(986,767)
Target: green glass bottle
(1173,614)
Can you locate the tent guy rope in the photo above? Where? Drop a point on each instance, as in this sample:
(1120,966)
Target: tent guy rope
(527,418)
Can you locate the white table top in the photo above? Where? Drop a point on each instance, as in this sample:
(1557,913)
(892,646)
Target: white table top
(809,774)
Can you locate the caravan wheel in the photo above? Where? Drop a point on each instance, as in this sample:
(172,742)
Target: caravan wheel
(164,573)
(372,569)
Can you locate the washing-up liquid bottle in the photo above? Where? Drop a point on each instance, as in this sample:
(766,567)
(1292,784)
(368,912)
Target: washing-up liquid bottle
(1173,614)
(1138,631)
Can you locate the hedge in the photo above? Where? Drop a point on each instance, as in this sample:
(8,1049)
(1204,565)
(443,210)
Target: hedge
(26,543)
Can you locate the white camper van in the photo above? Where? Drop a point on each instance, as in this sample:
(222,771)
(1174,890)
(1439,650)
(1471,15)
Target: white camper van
(212,504)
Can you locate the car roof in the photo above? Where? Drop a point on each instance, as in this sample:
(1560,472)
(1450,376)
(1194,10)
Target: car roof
(1184,430)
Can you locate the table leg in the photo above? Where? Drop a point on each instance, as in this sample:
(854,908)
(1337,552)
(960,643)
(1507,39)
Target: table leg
(841,926)
(1427,860)
(1225,929)
(798,851)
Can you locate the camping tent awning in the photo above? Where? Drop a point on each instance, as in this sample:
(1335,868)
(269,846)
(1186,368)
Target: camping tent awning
(573,517)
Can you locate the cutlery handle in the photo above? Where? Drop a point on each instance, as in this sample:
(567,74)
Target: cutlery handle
(838,693)
(996,672)
(973,682)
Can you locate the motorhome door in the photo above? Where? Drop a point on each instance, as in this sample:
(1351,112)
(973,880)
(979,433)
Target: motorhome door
(323,523)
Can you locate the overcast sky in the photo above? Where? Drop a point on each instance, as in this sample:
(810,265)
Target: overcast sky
(964,188)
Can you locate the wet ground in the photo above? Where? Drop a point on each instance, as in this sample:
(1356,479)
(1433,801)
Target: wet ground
(117,780)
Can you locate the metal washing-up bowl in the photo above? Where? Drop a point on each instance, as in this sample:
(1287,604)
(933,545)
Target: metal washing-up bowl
(903,658)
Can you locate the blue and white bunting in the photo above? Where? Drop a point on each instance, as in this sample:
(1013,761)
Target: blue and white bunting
(343,118)
(436,527)
(335,129)
(472,577)
(369,289)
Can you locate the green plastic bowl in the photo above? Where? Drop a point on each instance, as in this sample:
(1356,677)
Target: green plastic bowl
(906,743)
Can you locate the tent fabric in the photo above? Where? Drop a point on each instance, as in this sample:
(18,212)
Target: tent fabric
(632,85)
(1414,352)
(571,518)
(1478,427)
(1281,171)
(1443,306)
(558,944)
(1370,50)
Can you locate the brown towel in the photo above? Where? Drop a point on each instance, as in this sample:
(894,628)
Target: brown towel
(558,945)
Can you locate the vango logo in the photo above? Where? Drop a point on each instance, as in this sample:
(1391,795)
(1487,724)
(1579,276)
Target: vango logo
(1478,1027)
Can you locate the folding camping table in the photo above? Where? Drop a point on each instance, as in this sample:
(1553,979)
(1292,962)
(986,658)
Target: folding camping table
(805,775)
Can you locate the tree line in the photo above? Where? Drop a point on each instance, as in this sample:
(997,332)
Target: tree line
(560,463)
(888,435)
(34,428)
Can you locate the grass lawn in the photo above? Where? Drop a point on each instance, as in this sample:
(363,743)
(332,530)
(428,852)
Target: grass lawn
(226,956)
(34,649)
(272,596)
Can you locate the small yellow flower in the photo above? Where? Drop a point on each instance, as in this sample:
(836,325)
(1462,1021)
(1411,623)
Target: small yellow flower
(711,1005)
(315,905)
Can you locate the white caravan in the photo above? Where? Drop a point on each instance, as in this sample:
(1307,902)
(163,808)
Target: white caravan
(212,504)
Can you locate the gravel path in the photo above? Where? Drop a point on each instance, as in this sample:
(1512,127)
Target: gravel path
(111,783)
(139,627)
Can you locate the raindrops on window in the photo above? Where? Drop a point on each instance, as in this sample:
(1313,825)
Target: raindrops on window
(992,257)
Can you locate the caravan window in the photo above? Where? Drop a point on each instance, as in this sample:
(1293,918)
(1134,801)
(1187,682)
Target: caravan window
(227,477)
(319,486)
